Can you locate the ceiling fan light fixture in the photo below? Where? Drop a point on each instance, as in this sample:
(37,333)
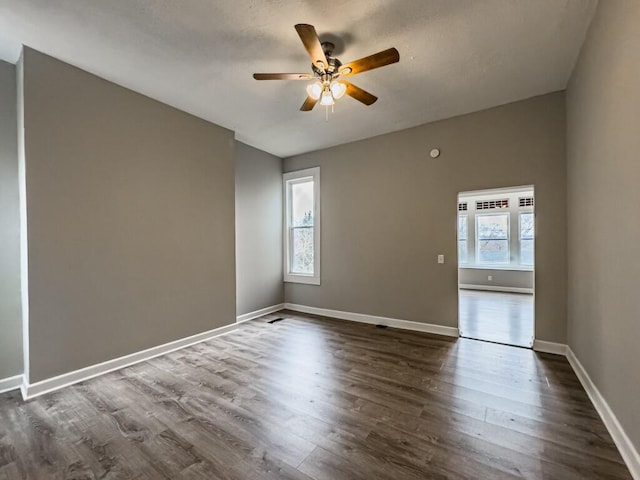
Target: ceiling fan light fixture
(314,90)
(338,89)
(327,98)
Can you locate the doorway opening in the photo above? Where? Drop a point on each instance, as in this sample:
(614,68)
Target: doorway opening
(496,265)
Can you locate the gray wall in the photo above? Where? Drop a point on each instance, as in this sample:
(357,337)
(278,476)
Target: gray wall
(501,278)
(10,313)
(388,210)
(130,208)
(258,229)
(603,102)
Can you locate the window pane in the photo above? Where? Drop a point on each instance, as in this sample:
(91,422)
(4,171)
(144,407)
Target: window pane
(493,227)
(462,227)
(526,225)
(302,204)
(302,251)
(493,251)
(462,251)
(526,252)
(493,238)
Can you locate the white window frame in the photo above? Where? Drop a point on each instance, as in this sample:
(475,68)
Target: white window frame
(289,179)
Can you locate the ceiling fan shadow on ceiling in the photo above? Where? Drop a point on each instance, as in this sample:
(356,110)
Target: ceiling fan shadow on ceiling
(328,82)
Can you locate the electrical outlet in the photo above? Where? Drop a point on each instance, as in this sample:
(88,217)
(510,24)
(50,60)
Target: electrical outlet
(440,258)
(490,278)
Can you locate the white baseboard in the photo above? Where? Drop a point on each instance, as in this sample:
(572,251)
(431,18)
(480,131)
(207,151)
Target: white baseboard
(550,347)
(31,390)
(375,320)
(628,451)
(10,383)
(492,288)
(259,313)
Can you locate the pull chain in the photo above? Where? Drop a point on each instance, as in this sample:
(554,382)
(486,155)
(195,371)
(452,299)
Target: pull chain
(326,112)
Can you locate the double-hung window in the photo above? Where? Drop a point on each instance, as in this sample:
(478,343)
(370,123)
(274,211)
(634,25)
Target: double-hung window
(302,226)
(527,229)
(463,239)
(492,231)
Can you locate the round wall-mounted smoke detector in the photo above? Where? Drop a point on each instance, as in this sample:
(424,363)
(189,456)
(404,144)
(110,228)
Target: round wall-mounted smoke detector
(435,153)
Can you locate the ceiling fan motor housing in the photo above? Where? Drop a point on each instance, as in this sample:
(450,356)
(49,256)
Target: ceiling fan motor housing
(333,63)
(328,48)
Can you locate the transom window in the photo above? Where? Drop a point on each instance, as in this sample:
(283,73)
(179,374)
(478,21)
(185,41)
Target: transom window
(490,204)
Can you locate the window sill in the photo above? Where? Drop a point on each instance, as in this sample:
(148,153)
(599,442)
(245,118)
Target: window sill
(515,268)
(304,279)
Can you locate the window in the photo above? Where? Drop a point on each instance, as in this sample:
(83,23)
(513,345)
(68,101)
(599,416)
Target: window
(490,204)
(492,232)
(302,226)
(463,254)
(525,201)
(527,230)
(496,229)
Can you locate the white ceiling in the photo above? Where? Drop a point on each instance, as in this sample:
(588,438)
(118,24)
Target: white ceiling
(456,56)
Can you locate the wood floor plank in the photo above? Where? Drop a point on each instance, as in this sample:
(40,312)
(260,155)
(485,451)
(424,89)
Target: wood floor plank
(316,398)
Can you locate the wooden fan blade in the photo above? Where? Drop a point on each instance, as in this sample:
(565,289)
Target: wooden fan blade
(311,42)
(308,104)
(282,76)
(380,59)
(359,94)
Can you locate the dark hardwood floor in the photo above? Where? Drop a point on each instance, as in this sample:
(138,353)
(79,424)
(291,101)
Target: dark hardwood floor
(316,398)
(496,316)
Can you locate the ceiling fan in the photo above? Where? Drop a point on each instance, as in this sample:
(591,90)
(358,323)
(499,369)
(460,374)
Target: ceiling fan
(328,83)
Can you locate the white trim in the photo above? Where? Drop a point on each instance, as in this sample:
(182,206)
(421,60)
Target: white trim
(508,268)
(375,320)
(30,390)
(259,313)
(550,347)
(298,278)
(10,383)
(497,191)
(496,288)
(626,448)
(288,179)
